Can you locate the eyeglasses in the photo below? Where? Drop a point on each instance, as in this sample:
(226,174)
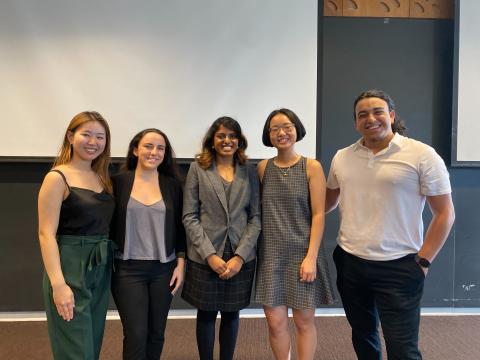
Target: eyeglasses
(286,128)
(222,136)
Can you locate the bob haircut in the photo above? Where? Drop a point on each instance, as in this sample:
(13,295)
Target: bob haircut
(398,125)
(101,163)
(208,153)
(168,165)
(300,129)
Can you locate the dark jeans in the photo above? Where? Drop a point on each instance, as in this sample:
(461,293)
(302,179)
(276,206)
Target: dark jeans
(141,290)
(385,291)
(227,334)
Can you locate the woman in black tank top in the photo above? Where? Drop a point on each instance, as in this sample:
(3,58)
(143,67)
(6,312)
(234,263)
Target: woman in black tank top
(75,207)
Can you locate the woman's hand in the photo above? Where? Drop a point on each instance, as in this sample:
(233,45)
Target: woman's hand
(234,265)
(308,269)
(64,301)
(217,264)
(178,275)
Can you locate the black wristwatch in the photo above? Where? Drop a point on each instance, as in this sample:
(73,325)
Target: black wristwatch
(422,261)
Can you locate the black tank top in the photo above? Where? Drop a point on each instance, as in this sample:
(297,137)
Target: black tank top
(85,212)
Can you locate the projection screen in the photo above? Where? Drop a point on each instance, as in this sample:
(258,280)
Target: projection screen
(466,125)
(176,65)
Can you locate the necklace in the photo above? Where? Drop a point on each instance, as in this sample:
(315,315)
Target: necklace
(226,173)
(284,171)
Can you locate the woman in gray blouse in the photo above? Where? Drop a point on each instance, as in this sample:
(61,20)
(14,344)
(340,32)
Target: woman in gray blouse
(147,227)
(221,214)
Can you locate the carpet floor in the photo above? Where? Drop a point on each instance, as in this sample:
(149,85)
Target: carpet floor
(441,338)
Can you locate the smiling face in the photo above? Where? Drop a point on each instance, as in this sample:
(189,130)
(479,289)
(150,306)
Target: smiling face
(150,151)
(88,140)
(282,131)
(225,142)
(374,121)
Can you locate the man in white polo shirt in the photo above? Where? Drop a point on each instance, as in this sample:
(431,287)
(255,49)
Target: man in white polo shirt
(381,183)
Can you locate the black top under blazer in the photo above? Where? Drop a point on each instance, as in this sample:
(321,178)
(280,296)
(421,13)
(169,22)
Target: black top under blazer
(172,194)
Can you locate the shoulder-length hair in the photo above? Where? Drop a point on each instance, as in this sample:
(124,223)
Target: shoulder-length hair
(168,165)
(101,163)
(300,129)
(208,153)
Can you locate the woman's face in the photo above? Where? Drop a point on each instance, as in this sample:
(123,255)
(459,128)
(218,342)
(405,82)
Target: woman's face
(282,132)
(225,142)
(150,151)
(88,140)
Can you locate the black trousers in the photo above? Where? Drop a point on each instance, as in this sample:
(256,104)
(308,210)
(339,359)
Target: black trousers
(141,290)
(385,291)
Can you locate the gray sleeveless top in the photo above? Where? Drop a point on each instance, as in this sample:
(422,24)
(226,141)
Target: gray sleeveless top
(286,223)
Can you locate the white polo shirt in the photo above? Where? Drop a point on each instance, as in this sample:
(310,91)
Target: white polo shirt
(382,196)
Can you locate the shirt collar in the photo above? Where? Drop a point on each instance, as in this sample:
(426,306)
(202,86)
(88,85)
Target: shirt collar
(396,142)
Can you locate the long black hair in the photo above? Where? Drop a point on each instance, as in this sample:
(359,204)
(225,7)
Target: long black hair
(168,165)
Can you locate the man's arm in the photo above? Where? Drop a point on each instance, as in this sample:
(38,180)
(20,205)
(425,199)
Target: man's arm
(331,199)
(439,228)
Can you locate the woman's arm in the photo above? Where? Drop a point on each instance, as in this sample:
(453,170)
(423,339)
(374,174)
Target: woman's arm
(261,169)
(178,275)
(193,226)
(49,203)
(317,187)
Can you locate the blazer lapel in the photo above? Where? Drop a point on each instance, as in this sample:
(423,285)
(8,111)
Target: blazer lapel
(217,185)
(127,187)
(238,182)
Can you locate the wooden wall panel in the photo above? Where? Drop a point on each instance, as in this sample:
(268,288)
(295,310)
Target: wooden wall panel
(355,8)
(332,8)
(427,9)
(432,9)
(388,8)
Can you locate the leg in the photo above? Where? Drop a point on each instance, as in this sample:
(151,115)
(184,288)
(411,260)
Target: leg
(400,289)
(277,320)
(304,320)
(206,333)
(99,304)
(69,340)
(72,340)
(359,304)
(228,334)
(130,292)
(160,300)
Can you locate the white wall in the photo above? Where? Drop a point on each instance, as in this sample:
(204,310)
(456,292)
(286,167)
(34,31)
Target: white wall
(468,98)
(176,65)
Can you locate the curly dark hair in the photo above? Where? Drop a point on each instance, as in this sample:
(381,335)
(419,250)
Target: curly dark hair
(398,125)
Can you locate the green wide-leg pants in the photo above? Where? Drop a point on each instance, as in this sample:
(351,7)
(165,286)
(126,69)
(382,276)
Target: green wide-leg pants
(87,267)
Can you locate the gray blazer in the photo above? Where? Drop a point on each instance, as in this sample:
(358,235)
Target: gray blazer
(208,220)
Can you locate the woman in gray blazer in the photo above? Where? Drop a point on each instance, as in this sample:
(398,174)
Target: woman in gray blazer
(221,214)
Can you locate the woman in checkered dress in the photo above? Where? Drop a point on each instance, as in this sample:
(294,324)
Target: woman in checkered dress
(292,270)
(221,214)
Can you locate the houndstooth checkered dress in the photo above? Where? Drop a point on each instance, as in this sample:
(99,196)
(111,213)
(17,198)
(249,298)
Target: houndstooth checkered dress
(286,222)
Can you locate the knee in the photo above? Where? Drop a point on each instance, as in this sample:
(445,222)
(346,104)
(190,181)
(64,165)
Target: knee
(206,316)
(304,320)
(230,316)
(277,325)
(137,334)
